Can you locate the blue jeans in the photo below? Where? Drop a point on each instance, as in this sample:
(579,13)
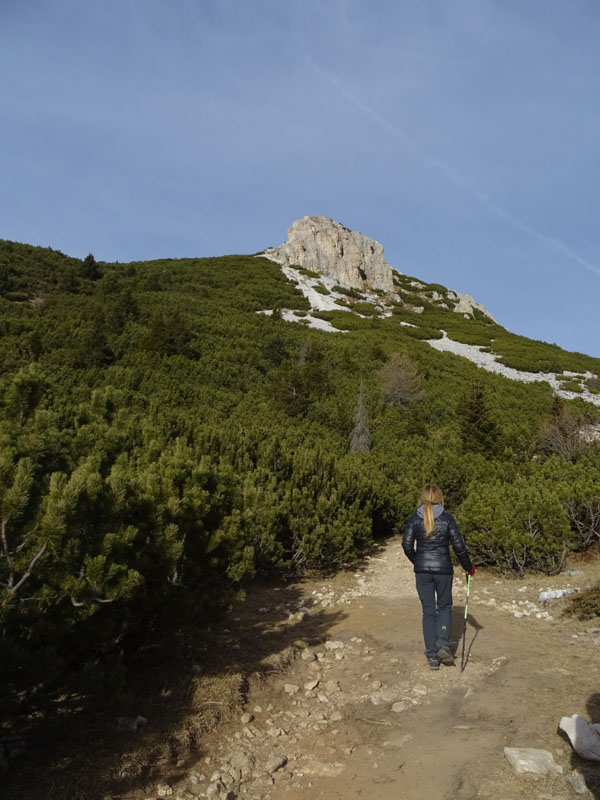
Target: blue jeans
(437,618)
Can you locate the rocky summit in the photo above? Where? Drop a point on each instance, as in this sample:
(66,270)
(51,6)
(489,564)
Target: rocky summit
(327,247)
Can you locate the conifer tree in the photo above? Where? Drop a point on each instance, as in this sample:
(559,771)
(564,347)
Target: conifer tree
(400,382)
(24,392)
(361,435)
(561,433)
(479,432)
(89,268)
(315,372)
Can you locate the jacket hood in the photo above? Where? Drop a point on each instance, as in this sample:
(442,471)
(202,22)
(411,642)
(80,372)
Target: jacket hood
(437,510)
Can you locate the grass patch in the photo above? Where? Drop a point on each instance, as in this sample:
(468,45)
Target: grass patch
(365,309)
(571,386)
(423,333)
(349,291)
(328,316)
(308,272)
(586,605)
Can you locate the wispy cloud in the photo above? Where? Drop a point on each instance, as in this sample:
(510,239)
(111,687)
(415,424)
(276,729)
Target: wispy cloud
(450,172)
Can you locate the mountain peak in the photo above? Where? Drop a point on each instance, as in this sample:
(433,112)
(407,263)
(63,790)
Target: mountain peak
(329,248)
(355,261)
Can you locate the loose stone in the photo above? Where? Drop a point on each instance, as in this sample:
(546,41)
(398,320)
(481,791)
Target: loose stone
(531,760)
(583,735)
(274,762)
(577,783)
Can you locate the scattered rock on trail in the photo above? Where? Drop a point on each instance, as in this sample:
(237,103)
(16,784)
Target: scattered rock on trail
(244,763)
(321,769)
(344,702)
(577,783)
(528,760)
(583,735)
(555,594)
(274,762)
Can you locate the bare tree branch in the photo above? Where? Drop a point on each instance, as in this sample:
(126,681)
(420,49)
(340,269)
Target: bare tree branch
(30,566)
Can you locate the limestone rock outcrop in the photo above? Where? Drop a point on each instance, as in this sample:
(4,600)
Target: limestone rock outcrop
(466,305)
(324,246)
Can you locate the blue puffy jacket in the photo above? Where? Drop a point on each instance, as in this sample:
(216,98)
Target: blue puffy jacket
(433,552)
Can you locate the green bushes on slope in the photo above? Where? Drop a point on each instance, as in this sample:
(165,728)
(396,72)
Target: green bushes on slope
(161,442)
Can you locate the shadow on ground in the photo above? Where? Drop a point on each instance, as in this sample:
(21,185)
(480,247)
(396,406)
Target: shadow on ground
(472,629)
(184,680)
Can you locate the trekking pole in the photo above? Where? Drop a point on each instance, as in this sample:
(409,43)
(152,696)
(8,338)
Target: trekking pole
(462,658)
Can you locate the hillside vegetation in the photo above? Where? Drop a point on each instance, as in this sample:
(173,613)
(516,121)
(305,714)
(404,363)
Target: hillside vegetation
(161,442)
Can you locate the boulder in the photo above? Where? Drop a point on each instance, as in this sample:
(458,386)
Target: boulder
(528,760)
(583,735)
(555,594)
(466,305)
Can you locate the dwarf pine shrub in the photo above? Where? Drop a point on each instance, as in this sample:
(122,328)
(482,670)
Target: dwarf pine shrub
(517,527)
(585,605)
(161,442)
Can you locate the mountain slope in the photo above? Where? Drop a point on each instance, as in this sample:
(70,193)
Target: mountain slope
(162,442)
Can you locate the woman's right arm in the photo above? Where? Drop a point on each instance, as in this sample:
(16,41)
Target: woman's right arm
(460,548)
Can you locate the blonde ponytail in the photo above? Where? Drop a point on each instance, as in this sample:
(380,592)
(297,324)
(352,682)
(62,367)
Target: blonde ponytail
(430,496)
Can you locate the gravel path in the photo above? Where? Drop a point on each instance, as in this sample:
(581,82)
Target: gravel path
(357,712)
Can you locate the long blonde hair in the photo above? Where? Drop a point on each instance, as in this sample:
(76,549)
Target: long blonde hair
(430,496)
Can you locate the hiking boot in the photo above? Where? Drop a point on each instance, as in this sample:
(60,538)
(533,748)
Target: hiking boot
(445,656)
(434,662)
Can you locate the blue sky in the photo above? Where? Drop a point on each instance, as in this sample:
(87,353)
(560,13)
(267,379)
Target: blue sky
(464,136)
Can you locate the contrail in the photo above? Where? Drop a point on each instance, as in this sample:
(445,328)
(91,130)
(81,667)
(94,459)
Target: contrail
(448,170)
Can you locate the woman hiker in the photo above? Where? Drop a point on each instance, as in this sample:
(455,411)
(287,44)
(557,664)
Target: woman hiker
(433,530)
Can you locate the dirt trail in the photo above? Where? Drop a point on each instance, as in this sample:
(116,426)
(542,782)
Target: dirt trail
(358,713)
